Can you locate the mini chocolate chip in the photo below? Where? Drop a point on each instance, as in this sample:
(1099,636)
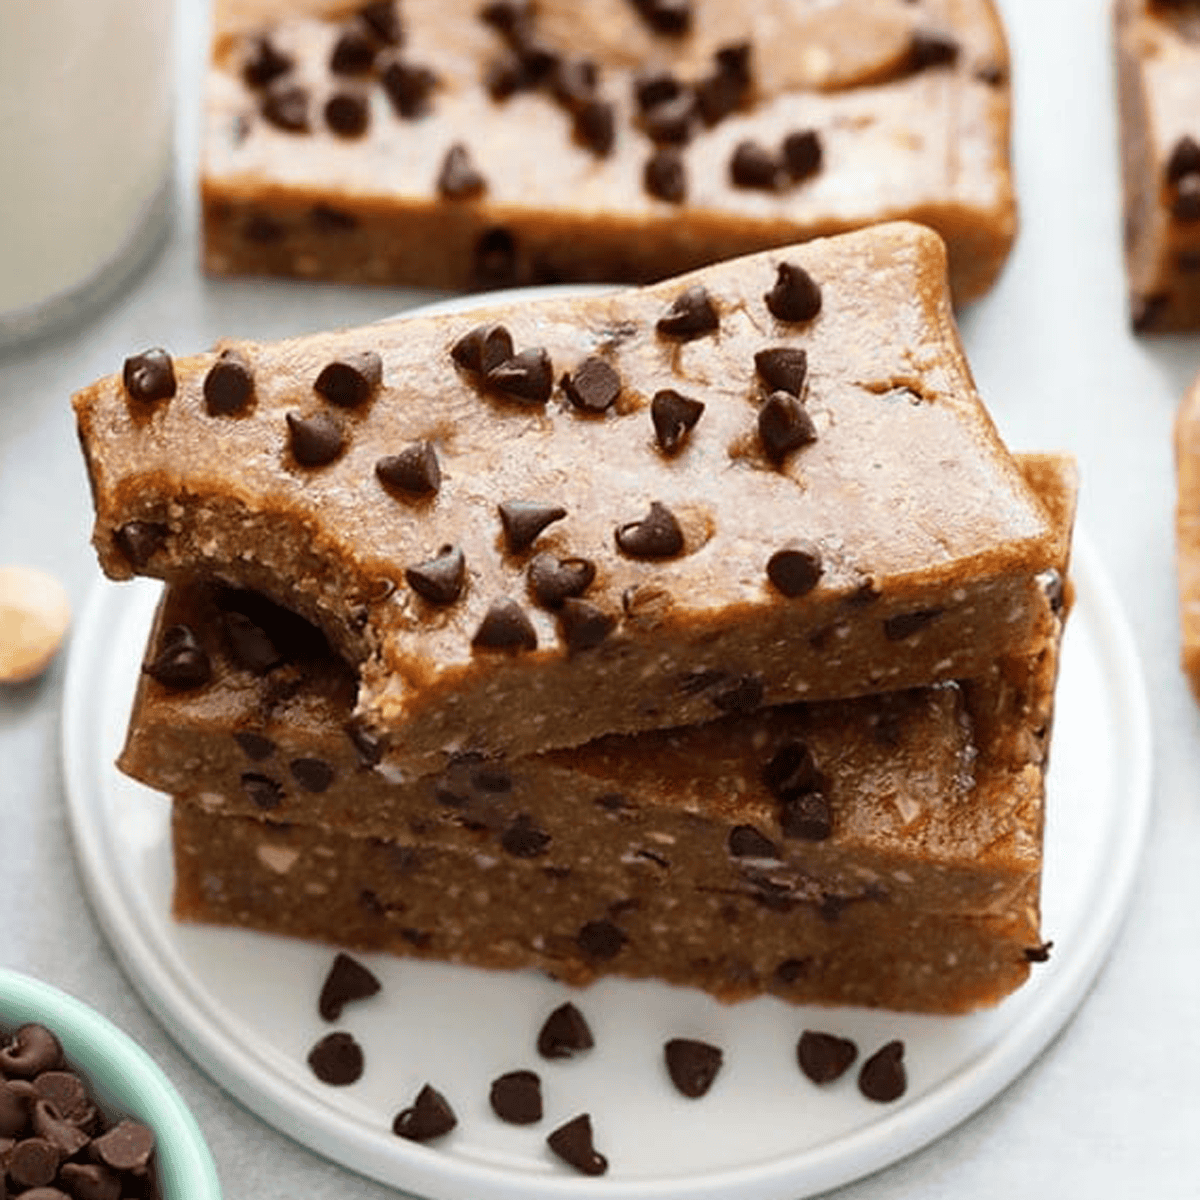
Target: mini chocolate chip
(409,88)
(574,82)
(348,980)
(315,441)
(656,535)
(347,114)
(180,664)
(353,53)
(312,774)
(665,175)
(802,154)
(553,579)
(1038,954)
(495,257)
(126,1147)
(595,127)
(1145,311)
(30,1050)
(743,695)
(33,1162)
(458,178)
(249,644)
(784,425)
(505,627)
(824,1057)
(254,746)
(931,48)
(66,1136)
(584,626)
(383,19)
(782,368)
(523,839)
(672,18)
(692,314)
(795,296)
(674,416)
(337,1059)
(483,348)
(516,1097)
(600,940)
(572,1143)
(523,520)
(14,1110)
(265,793)
(882,1077)
(264,64)
(692,1065)
(138,540)
(669,121)
(88,1181)
(747,842)
(655,86)
(429,1117)
(564,1033)
(594,386)
(728,87)
(415,470)
(351,381)
(754,166)
(806,816)
(286,107)
(439,580)
(150,376)
(1186,205)
(796,569)
(1184,160)
(792,970)
(526,377)
(905,625)
(509,17)
(229,385)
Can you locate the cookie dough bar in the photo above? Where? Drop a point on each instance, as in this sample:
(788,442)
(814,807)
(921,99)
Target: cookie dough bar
(534,525)
(459,144)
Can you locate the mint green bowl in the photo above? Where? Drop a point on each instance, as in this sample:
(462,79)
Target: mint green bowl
(123,1078)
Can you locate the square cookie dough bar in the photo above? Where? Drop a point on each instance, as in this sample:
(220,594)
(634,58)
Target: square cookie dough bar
(533,525)
(462,144)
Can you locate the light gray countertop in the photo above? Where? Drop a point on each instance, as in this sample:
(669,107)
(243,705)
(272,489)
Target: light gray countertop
(1109,1108)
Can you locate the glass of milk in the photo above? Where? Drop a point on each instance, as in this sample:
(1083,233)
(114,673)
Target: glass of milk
(85,153)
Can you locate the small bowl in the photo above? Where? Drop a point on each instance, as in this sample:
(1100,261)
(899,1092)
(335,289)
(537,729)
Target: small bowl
(123,1079)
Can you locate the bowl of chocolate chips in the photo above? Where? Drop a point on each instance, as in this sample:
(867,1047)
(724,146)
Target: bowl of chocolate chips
(86,1113)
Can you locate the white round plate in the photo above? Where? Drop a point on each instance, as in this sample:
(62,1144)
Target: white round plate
(244,1004)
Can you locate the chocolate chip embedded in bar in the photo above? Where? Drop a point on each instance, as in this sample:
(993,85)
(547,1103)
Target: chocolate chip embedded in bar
(923,541)
(603,140)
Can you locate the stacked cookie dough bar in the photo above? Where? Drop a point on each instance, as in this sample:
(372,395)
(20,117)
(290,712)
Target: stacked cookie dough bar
(705,631)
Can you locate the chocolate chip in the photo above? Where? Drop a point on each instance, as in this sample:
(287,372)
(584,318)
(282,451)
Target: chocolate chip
(595,127)
(458,178)
(743,695)
(150,376)
(265,793)
(792,970)
(439,580)
(553,579)
(368,744)
(883,1077)
(523,520)
(347,114)
(564,1033)
(784,425)
(692,314)
(229,385)
(507,16)
(584,626)
(488,779)
(795,296)
(905,625)
(931,48)
(665,175)
(66,1136)
(671,18)
(669,121)
(126,1147)
(782,368)
(692,1065)
(656,535)
(180,664)
(505,627)
(88,1181)
(350,381)
(286,107)
(516,1097)
(594,386)
(526,377)
(572,1143)
(264,64)
(348,980)
(796,569)
(600,940)
(312,774)
(1185,207)
(655,86)
(747,842)
(1038,954)
(30,1050)
(14,1110)
(1184,160)
(752,165)
(254,746)
(1146,311)
(315,441)
(33,1162)
(263,229)
(409,88)
(139,540)
(802,154)
(523,839)
(337,1059)
(824,1057)
(791,771)
(807,817)
(353,53)
(429,1117)
(414,471)
(674,416)
(574,82)
(483,348)
(728,87)
(250,645)
(383,20)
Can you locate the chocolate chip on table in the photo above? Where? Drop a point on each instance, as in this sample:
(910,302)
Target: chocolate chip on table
(906,625)
(352,380)
(337,1059)
(315,441)
(692,1065)
(747,842)
(459,178)
(523,839)
(882,1077)
(802,154)
(229,385)
(795,296)
(264,64)
(665,175)
(483,348)
(516,1097)
(505,627)
(139,540)
(674,416)
(429,1117)
(149,376)
(593,387)
(348,980)
(752,165)
(691,314)
(784,425)
(796,569)
(595,127)
(782,368)
(824,1057)
(30,1050)
(523,520)
(414,471)
(600,940)
(265,793)
(440,579)
(409,88)
(554,580)
(354,52)
(180,664)
(572,1143)
(931,48)
(312,774)
(806,817)
(527,377)
(564,1033)
(286,107)
(584,625)
(347,114)
(656,535)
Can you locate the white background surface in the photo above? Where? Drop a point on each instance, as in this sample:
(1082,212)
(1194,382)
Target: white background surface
(1110,1108)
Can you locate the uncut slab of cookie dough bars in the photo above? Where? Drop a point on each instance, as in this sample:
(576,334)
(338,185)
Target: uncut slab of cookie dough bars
(704,631)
